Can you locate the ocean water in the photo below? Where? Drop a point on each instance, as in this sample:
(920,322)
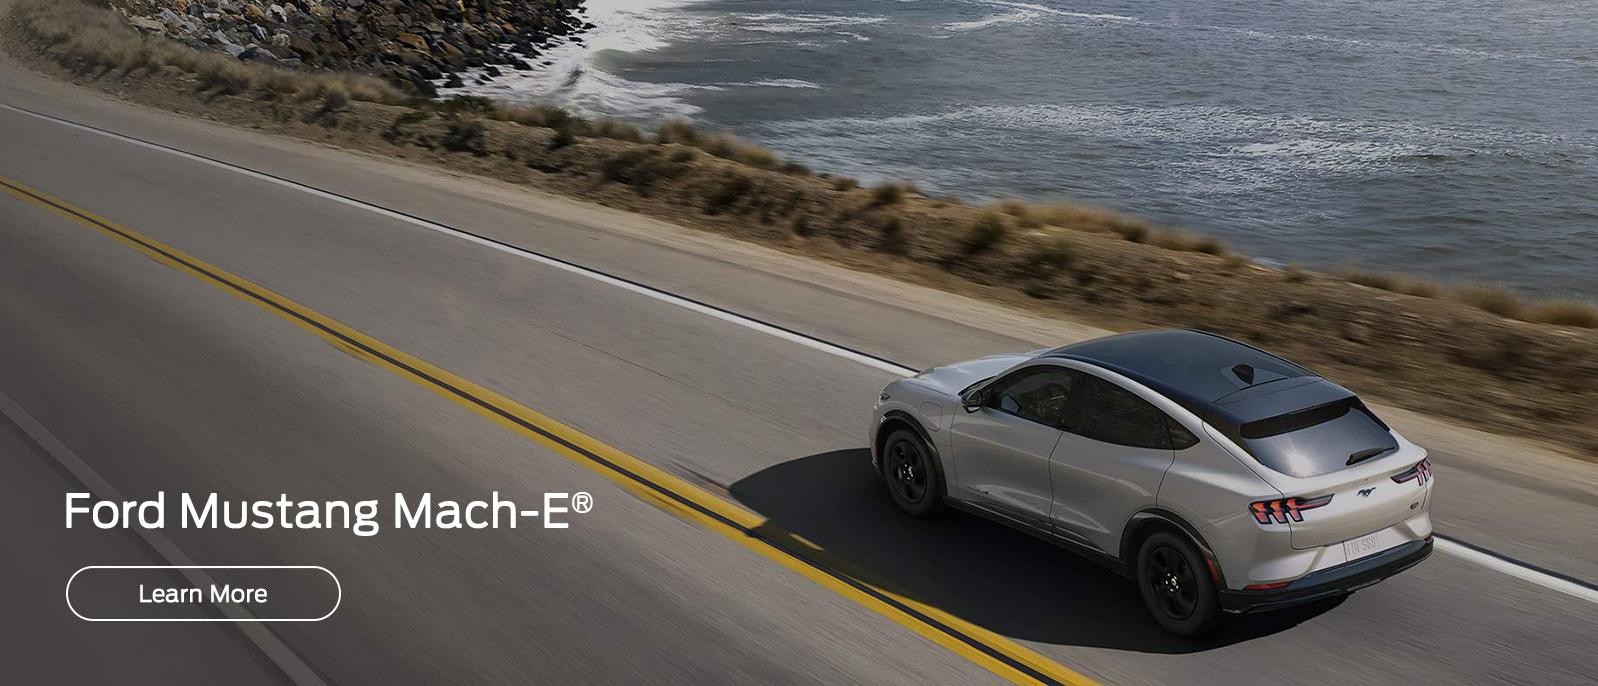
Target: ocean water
(1452,140)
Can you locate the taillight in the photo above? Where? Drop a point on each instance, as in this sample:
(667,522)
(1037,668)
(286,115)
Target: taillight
(1267,587)
(1281,509)
(1420,473)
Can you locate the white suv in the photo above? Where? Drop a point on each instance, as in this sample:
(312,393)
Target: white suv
(1221,477)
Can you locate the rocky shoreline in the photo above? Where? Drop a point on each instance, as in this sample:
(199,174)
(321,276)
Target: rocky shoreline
(415,44)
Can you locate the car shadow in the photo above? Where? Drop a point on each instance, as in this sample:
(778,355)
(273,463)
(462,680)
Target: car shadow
(983,572)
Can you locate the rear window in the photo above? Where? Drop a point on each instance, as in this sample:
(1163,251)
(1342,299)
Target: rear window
(1319,440)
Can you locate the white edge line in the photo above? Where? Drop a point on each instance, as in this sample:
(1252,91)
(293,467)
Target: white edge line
(1489,561)
(336,602)
(1514,570)
(267,642)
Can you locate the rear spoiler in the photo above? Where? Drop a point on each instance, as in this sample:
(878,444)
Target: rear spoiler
(1274,399)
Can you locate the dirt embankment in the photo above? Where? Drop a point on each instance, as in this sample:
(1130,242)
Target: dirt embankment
(1430,354)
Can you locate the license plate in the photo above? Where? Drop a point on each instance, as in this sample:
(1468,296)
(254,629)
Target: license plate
(1360,547)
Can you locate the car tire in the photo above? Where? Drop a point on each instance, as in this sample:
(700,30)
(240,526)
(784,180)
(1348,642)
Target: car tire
(1177,589)
(910,474)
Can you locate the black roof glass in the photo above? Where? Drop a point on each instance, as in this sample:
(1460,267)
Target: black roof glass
(1203,366)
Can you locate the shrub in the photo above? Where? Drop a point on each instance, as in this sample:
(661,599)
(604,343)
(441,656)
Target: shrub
(1208,245)
(1293,274)
(987,231)
(1420,288)
(563,137)
(731,147)
(466,135)
(334,100)
(727,192)
(225,76)
(405,120)
(887,193)
(1388,281)
(640,168)
(368,89)
(1491,298)
(277,84)
(844,184)
(677,131)
(617,129)
(1372,279)
(1566,312)
(891,238)
(1052,255)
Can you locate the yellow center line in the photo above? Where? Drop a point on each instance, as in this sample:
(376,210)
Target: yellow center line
(996,653)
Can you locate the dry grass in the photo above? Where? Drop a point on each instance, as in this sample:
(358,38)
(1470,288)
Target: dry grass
(677,131)
(1565,312)
(1182,240)
(1491,298)
(730,147)
(1029,215)
(615,129)
(1387,281)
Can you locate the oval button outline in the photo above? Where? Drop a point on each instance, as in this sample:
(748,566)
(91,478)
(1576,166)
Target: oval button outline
(336,603)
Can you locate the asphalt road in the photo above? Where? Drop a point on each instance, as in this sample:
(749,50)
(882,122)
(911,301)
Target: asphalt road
(160,381)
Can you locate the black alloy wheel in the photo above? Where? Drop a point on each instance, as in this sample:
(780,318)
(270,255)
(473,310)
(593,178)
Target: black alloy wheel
(911,477)
(1170,578)
(1175,582)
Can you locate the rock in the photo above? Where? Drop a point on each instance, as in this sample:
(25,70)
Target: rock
(454,81)
(256,53)
(414,42)
(147,25)
(428,71)
(304,47)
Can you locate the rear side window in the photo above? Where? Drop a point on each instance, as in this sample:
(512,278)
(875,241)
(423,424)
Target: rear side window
(1115,415)
(1319,440)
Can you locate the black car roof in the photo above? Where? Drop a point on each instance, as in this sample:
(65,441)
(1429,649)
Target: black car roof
(1193,368)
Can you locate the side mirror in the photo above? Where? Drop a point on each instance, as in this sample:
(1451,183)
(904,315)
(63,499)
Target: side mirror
(974,399)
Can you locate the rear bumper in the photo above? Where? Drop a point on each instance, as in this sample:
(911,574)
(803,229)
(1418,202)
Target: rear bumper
(1333,581)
